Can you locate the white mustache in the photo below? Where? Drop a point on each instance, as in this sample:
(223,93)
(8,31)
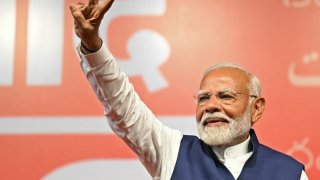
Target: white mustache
(219,115)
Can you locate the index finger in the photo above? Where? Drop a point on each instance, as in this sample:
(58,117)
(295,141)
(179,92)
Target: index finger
(93,2)
(106,5)
(79,19)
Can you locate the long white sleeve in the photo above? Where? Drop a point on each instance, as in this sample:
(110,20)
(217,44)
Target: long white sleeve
(156,145)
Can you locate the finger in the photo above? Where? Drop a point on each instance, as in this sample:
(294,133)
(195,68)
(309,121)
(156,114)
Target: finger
(79,6)
(93,2)
(106,5)
(85,10)
(74,7)
(79,19)
(75,22)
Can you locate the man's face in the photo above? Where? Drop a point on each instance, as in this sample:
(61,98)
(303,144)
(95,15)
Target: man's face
(224,120)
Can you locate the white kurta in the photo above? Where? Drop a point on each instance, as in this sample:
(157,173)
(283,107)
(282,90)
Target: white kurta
(156,145)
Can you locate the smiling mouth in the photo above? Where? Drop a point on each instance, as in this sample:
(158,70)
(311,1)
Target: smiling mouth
(215,122)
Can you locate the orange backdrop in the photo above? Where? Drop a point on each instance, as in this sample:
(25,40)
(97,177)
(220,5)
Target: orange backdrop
(48,127)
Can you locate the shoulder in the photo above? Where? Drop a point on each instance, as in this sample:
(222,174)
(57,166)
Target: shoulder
(190,139)
(277,157)
(190,142)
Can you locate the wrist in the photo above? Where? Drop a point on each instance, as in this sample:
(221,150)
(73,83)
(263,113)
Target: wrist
(91,47)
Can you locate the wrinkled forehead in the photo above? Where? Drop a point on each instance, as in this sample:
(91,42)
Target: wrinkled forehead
(226,78)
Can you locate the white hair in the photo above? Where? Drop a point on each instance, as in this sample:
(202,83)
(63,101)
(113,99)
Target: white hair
(254,84)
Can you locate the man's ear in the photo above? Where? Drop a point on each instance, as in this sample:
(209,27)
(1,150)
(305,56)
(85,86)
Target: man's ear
(257,109)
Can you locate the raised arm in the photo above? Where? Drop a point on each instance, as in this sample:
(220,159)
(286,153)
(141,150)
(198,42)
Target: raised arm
(156,145)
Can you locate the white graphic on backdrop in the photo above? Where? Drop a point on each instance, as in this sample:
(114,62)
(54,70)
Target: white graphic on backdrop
(100,169)
(301,147)
(304,80)
(7,36)
(40,125)
(301,3)
(146,58)
(45,42)
(148,49)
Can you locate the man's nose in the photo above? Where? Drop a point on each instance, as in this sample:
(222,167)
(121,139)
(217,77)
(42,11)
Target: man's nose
(213,105)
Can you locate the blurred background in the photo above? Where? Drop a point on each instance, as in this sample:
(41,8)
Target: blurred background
(52,126)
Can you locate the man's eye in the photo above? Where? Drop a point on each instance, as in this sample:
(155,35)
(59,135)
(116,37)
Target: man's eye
(203,97)
(226,96)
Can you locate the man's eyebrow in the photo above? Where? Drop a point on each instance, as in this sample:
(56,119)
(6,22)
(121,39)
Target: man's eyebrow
(227,90)
(203,90)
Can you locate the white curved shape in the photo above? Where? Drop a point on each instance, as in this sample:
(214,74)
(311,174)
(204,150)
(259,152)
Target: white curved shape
(140,41)
(302,80)
(128,8)
(301,3)
(148,51)
(152,77)
(302,148)
(131,8)
(100,170)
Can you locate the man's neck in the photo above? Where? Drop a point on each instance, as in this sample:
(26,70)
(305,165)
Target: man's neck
(232,151)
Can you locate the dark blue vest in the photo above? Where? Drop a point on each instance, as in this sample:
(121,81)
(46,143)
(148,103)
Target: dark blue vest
(197,161)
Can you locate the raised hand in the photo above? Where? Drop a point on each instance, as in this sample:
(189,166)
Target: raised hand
(87,19)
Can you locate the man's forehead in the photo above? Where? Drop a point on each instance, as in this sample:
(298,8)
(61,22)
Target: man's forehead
(228,75)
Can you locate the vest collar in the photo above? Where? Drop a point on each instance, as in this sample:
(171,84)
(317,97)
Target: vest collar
(251,144)
(254,142)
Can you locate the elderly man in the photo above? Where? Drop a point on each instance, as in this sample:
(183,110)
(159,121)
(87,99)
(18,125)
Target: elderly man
(228,104)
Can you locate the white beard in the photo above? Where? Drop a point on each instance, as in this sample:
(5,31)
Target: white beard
(228,134)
